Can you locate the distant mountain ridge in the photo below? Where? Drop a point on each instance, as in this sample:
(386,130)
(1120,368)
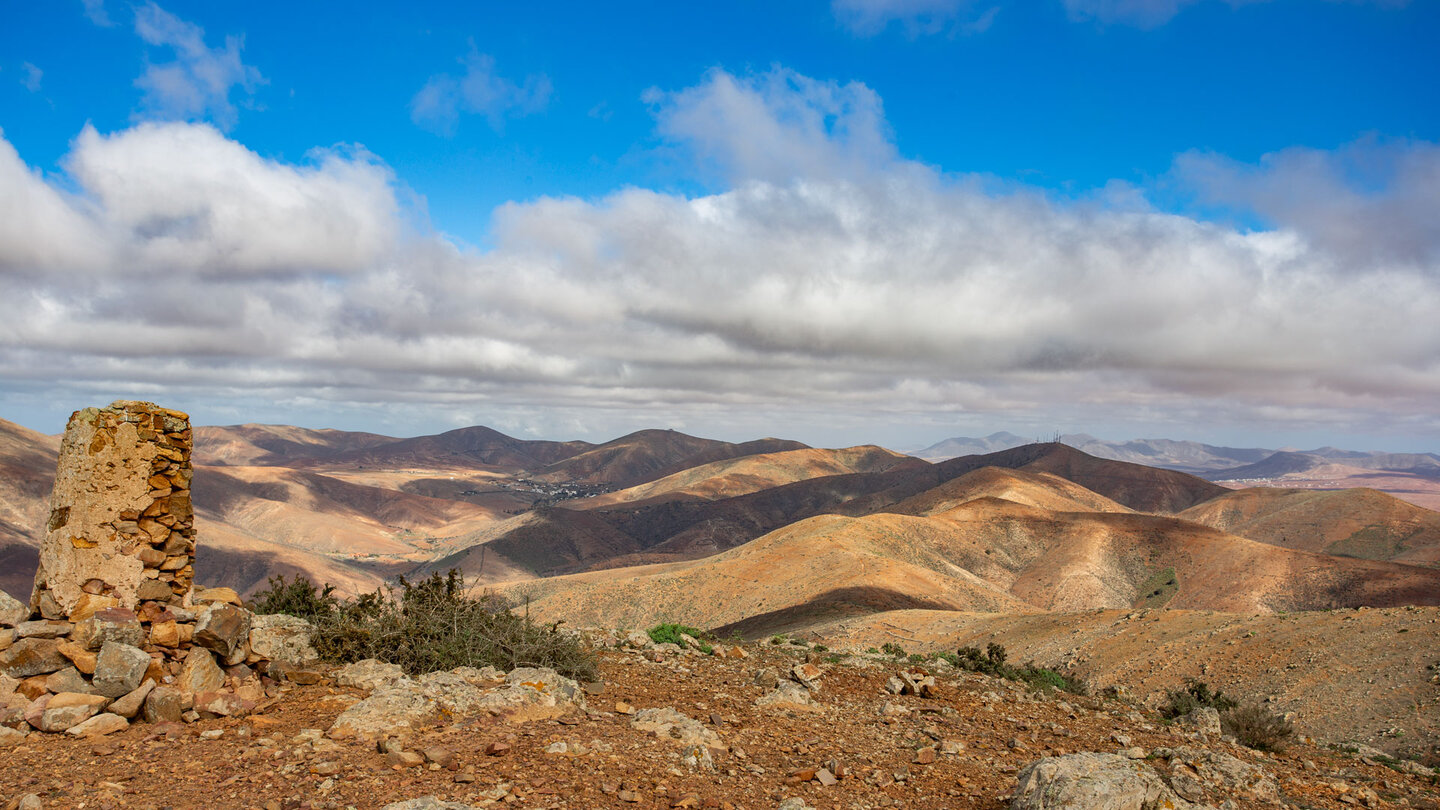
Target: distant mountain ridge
(1212,462)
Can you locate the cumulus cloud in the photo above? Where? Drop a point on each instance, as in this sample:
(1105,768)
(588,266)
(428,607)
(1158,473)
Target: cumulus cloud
(479,90)
(1370,201)
(919,17)
(915,17)
(95,10)
(32,78)
(198,83)
(837,282)
(1154,13)
(161,198)
(777,126)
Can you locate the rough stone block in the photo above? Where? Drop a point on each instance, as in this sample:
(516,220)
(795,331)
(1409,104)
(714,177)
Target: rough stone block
(68,709)
(278,637)
(163,705)
(130,705)
(200,673)
(99,725)
(120,625)
(12,610)
(32,656)
(43,628)
(68,679)
(113,468)
(119,669)
(222,628)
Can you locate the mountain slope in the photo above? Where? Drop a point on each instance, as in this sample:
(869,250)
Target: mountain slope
(649,454)
(1351,522)
(270,445)
(1040,490)
(742,476)
(986,554)
(463,448)
(1144,489)
(27,470)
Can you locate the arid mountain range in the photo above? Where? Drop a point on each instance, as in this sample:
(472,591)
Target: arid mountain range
(1092,564)
(1414,477)
(766,534)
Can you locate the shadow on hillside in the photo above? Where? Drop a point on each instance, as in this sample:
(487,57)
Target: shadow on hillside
(841,603)
(17,569)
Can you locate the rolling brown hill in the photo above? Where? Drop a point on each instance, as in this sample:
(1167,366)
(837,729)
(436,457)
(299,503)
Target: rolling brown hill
(752,473)
(1144,489)
(987,553)
(684,529)
(1351,522)
(276,445)
(306,510)
(1040,490)
(649,454)
(463,448)
(27,470)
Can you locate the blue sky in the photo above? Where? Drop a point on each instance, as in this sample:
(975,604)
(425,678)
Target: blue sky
(866,220)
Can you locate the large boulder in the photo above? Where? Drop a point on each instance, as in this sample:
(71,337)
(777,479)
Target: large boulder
(222,628)
(368,674)
(112,624)
(1194,769)
(69,709)
(12,610)
(394,709)
(119,669)
(1204,720)
(32,656)
(535,693)
(428,803)
(1093,781)
(200,673)
(278,637)
(164,704)
(669,724)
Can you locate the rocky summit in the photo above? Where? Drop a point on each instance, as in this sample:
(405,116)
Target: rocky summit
(665,726)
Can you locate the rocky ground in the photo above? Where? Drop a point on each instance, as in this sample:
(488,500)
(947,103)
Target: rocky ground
(851,743)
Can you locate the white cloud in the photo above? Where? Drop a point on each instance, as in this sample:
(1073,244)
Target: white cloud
(32,78)
(919,17)
(1368,202)
(165,197)
(197,85)
(915,17)
(95,10)
(1139,13)
(777,126)
(479,90)
(1154,13)
(833,280)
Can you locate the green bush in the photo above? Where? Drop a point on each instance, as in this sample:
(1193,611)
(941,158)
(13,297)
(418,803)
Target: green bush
(893,650)
(992,662)
(429,625)
(670,634)
(298,597)
(1195,695)
(1257,727)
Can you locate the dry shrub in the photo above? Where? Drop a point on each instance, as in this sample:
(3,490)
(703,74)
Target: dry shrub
(431,625)
(1257,727)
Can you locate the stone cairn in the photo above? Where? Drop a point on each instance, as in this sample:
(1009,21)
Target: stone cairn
(115,629)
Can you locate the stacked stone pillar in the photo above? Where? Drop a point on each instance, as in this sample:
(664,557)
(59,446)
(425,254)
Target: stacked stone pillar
(121,528)
(115,629)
